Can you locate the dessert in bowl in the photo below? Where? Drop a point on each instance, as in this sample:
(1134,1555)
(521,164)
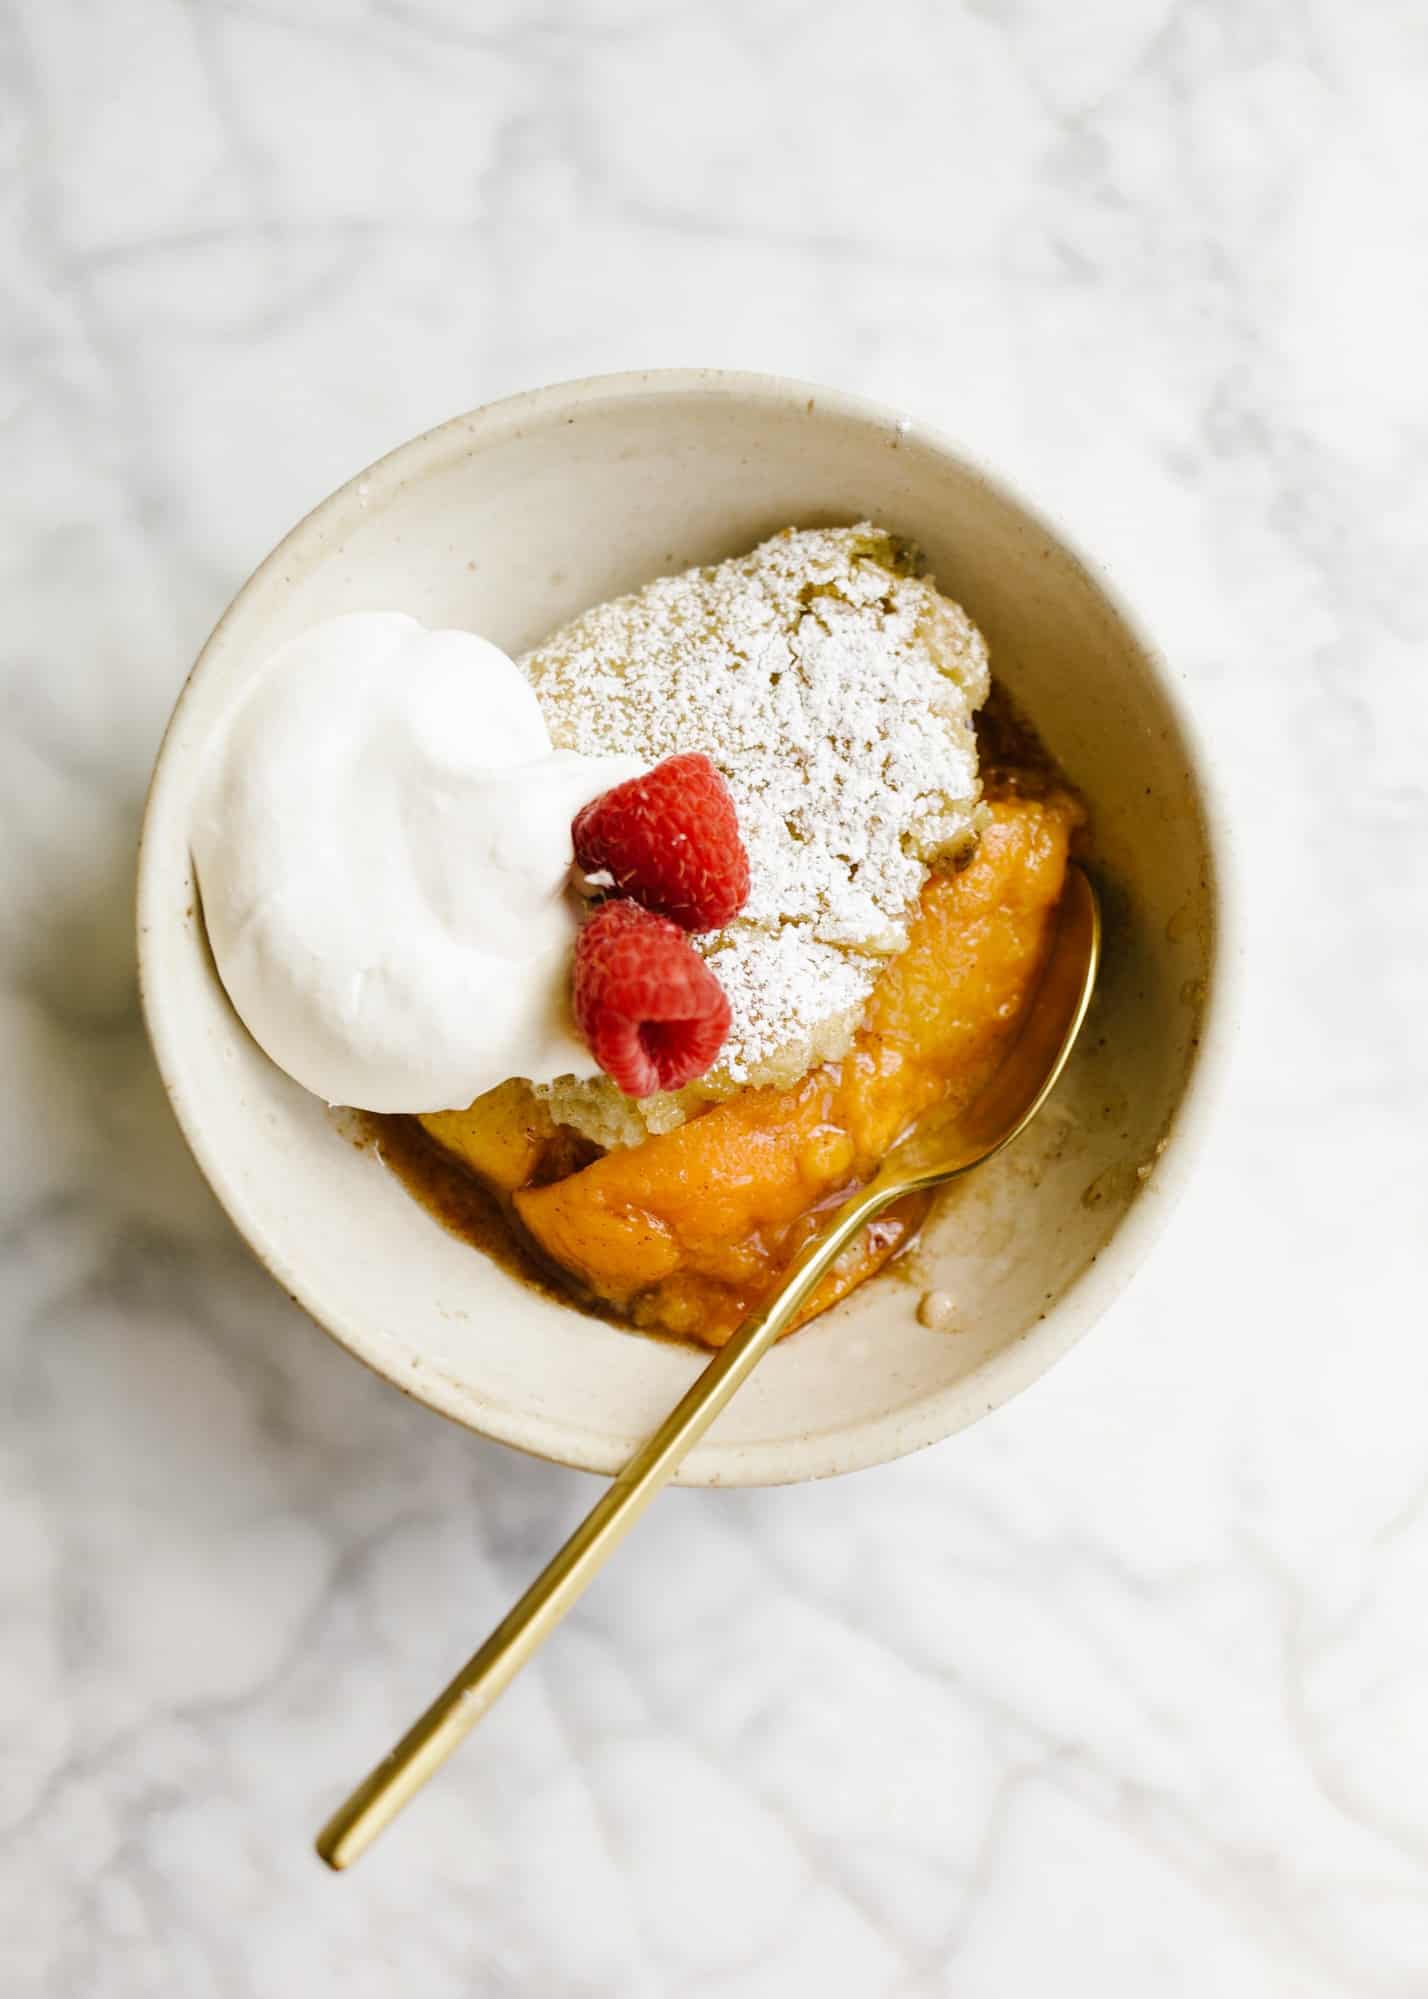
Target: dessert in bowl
(544,525)
(868,921)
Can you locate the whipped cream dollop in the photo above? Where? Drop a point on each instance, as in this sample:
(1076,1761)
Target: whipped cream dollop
(382,842)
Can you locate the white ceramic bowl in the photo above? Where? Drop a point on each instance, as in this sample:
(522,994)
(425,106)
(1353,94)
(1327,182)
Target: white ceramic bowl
(509,521)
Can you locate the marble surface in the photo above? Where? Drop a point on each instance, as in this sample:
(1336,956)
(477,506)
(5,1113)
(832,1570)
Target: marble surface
(1123,1692)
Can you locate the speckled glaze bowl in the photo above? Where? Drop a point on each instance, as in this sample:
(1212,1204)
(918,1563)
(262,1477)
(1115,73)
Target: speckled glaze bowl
(509,521)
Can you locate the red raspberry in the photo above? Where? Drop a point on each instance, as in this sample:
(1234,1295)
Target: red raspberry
(671,840)
(652,1012)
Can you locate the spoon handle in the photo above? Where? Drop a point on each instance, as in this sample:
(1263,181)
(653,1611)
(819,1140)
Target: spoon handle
(530,1621)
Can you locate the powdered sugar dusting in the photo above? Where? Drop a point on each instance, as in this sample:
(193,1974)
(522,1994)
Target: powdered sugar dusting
(834,688)
(767,975)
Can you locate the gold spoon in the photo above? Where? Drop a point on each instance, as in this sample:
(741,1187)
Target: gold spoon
(939,1149)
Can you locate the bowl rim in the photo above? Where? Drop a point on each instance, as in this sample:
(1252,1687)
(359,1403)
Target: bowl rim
(929,1419)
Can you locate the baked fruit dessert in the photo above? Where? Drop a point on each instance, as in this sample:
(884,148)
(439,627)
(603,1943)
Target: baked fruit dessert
(812,918)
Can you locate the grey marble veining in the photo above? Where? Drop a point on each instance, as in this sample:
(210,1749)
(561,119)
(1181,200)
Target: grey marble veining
(1123,1691)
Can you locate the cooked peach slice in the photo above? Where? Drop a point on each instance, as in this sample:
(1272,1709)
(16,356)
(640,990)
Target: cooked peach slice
(501,1137)
(688,1228)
